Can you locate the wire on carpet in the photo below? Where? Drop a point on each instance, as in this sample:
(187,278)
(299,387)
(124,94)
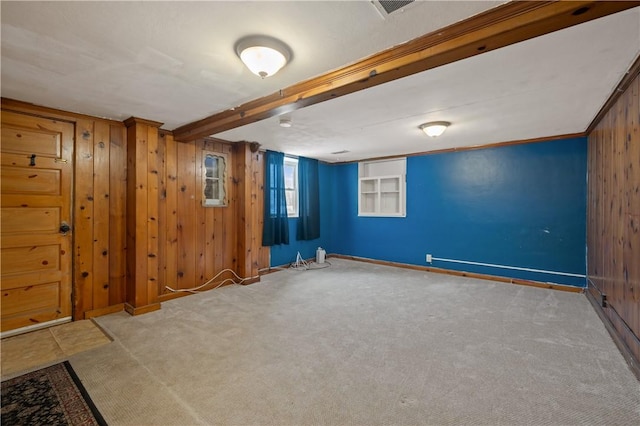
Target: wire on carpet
(221,283)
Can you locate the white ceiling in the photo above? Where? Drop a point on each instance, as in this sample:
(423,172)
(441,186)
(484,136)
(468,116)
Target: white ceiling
(174,62)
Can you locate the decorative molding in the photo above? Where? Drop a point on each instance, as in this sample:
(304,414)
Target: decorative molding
(471,148)
(501,26)
(50,113)
(517,281)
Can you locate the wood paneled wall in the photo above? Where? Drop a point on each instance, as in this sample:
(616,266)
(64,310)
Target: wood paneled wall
(199,242)
(180,243)
(99,220)
(613,234)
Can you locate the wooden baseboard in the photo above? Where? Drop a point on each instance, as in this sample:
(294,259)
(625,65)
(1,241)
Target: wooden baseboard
(498,278)
(622,336)
(141,309)
(104,311)
(251,280)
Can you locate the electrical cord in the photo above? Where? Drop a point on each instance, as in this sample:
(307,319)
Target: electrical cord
(196,289)
(302,265)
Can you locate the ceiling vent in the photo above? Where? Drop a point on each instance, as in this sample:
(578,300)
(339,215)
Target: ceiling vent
(387,7)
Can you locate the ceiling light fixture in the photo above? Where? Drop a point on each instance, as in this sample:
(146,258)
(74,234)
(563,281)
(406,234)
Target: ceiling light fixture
(435,128)
(263,55)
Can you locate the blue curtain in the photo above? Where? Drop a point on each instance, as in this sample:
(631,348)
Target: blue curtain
(309,199)
(276,227)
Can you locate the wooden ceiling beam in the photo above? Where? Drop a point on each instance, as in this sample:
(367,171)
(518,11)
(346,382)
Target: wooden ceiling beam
(499,27)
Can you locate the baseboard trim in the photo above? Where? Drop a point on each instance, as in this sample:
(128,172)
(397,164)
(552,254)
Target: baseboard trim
(104,311)
(134,311)
(498,278)
(621,336)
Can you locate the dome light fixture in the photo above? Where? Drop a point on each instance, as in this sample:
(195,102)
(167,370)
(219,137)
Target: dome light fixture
(435,128)
(263,55)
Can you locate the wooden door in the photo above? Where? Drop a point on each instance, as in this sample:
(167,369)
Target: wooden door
(36,193)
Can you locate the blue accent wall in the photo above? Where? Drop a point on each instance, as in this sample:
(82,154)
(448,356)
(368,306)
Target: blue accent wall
(285,254)
(519,205)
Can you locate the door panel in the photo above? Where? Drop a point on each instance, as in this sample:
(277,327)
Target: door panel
(36,199)
(33,220)
(40,142)
(27,180)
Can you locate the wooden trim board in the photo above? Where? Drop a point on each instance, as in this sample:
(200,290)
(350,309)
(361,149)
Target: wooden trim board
(498,278)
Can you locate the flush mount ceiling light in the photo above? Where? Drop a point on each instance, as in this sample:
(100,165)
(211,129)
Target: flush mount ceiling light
(435,128)
(263,55)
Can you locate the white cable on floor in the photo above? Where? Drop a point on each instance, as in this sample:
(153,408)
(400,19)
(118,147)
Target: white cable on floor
(196,289)
(302,265)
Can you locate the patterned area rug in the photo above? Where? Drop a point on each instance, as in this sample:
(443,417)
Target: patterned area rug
(50,396)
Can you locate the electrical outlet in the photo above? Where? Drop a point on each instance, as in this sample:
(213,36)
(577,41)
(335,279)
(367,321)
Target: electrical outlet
(429,258)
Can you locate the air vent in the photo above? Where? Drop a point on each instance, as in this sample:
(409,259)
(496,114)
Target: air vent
(344,151)
(387,7)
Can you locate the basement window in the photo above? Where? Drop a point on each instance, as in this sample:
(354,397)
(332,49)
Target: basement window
(214,180)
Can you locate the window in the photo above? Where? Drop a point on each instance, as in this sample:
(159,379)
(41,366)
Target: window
(381,188)
(214,179)
(291,185)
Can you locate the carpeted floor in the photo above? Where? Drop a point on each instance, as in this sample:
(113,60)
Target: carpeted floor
(363,344)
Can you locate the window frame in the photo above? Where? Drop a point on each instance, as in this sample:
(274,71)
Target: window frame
(223,160)
(293,162)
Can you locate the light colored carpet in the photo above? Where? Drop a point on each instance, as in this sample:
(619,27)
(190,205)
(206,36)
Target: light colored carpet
(42,348)
(363,344)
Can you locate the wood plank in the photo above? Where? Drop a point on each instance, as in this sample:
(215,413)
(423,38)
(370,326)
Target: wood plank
(199,217)
(101,219)
(501,26)
(185,219)
(228,244)
(83,218)
(171,241)
(152,215)
(162,212)
(117,214)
